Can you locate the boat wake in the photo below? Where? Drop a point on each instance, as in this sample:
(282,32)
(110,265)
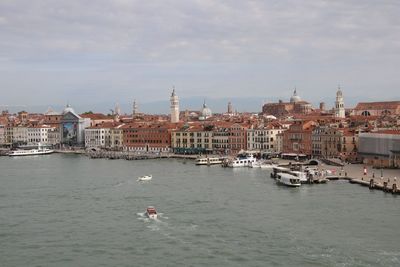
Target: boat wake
(143,217)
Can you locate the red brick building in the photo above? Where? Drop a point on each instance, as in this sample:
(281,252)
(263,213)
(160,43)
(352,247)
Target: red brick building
(297,139)
(147,137)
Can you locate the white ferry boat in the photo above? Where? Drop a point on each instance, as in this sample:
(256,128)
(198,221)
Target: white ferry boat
(301,175)
(242,161)
(30,152)
(151,212)
(288,180)
(145,178)
(209,161)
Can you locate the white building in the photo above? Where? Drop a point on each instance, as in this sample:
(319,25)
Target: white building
(339,105)
(97,136)
(38,134)
(264,138)
(2,134)
(174,107)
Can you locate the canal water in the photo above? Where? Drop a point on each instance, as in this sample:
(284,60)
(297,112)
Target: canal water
(67,210)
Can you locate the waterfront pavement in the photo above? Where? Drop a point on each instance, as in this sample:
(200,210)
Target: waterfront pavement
(356,172)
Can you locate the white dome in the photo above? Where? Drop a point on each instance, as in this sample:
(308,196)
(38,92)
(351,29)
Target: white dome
(206,112)
(295,98)
(68,109)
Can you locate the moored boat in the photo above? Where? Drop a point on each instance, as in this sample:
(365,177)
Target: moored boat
(262,165)
(242,161)
(288,180)
(208,161)
(151,212)
(30,152)
(145,178)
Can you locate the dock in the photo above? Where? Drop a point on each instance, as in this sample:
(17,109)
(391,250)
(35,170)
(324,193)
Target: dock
(136,155)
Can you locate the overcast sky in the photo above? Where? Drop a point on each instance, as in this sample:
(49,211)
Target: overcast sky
(54,52)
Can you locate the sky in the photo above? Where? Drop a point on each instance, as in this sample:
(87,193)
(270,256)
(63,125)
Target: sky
(97,53)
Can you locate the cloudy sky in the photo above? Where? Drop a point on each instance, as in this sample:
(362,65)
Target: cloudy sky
(107,51)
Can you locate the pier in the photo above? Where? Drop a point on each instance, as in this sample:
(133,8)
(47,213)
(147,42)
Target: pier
(136,155)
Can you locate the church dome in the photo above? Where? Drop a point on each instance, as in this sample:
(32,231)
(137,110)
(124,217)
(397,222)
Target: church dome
(205,112)
(295,98)
(68,109)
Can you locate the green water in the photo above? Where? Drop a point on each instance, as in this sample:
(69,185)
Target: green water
(65,210)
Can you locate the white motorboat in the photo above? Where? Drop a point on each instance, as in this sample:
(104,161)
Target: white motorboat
(145,178)
(151,212)
(30,152)
(209,161)
(288,180)
(242,161)
(262,165)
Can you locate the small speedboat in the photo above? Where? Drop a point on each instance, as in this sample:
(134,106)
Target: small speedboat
(145,178)
(151,212)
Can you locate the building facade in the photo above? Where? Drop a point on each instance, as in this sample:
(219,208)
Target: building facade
(146,137)
(264,138)
(377,108)
(380,149)
(72,128)
(297,139)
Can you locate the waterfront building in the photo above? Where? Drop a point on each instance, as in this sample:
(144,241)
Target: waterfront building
(279,142)
(237,138)
(339,105)
(151,137)
(264,137)
(54,136)
(377,108)
(9,134)
(282,109)
(326,142)
(97,136)
(116,137)
(20,135)
(381,148)
(72,127)
(220,140)
(174,107)
(192,139)
(38,134)
(297,139)
(2,134)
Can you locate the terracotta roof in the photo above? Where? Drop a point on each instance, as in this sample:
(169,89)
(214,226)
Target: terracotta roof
(378,105)
(396,132)
(96,116)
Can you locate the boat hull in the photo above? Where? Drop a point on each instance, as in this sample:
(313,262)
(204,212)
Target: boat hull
(20,154)
(145,178)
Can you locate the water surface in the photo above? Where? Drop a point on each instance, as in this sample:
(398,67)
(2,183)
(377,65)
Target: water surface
(67,210)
